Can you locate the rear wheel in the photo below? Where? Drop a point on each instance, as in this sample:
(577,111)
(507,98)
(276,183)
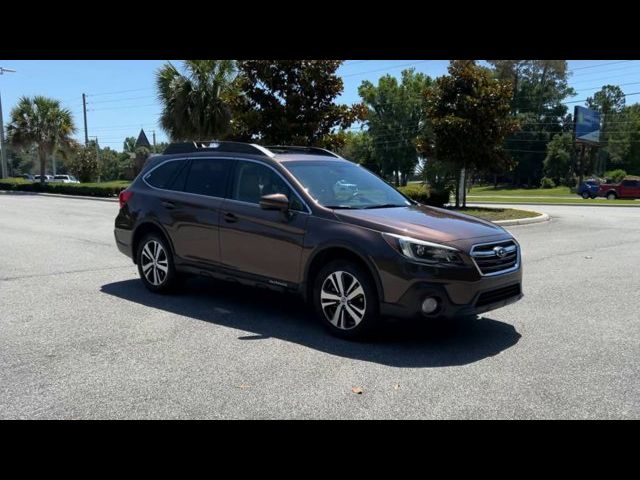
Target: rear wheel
(585,195)
(345,299)
(155,263)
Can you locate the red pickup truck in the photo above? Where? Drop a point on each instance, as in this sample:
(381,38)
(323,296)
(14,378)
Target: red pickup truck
(628,188)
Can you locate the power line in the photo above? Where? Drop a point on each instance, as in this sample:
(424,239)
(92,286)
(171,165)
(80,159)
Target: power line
(600,65)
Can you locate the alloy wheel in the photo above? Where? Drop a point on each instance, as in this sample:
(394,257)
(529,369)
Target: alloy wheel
(343,300)
(155,264)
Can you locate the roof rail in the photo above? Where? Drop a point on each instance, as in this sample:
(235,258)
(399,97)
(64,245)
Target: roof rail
(302,150)
(216,146)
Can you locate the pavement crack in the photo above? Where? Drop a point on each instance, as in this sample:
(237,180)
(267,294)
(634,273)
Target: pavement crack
(38,275)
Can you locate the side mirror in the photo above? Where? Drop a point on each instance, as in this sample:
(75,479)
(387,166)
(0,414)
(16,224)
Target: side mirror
(275,201)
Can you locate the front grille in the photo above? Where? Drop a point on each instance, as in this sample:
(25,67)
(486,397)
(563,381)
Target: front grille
(497,295)
(488,261)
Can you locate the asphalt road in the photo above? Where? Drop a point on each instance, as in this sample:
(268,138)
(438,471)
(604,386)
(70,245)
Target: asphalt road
(80,337)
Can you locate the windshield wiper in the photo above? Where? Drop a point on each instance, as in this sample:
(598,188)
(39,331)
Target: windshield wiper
(385,205)
(340,207)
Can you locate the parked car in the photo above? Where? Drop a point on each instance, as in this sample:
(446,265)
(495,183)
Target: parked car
(627,188)
(280,220)
(47,178)
(64,179)
(27,176)
(588,189)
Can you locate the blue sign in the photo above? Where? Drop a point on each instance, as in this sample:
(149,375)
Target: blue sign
(587,125)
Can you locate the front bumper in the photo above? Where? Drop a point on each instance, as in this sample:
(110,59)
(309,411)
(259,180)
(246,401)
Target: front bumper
(484,300)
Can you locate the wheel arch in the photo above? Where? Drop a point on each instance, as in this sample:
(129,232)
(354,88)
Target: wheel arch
(334,251)
(148,226)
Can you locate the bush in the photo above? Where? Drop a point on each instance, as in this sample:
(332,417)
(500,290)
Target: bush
(547,182)
(91,190)
(615,176)
(421,194)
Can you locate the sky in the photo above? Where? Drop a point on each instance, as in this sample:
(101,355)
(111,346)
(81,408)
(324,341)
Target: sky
(121,95)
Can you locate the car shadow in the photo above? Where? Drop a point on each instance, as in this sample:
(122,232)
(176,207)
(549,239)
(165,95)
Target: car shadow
(267,314)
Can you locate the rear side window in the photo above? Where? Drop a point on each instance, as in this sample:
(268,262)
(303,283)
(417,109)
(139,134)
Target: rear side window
(208,177)
(166,175)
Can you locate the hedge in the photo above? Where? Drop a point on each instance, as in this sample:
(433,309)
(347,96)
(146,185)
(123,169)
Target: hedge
(421,194)
(111,189)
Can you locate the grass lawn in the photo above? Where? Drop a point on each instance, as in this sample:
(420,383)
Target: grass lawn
(521,192)
(567,201)
(493,214)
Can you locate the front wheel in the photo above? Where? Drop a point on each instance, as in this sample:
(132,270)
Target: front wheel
(611,196)
(155,263)
(585,195)
(345,299)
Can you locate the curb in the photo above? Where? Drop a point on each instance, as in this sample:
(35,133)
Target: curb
(557,204)
(44,194)
(524,221)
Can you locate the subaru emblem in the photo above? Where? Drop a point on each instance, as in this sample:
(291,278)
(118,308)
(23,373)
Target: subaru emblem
(500,251)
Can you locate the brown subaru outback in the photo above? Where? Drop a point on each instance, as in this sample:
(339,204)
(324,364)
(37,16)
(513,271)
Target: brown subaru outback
(305,220)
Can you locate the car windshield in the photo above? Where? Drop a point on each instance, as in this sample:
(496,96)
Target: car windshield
(342,184)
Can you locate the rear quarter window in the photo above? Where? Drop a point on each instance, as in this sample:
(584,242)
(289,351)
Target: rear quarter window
(166,174)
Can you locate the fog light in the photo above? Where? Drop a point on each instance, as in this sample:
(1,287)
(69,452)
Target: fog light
(429,305)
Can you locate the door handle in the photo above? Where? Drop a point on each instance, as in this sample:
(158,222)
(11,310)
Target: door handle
(168,205)
(230,217)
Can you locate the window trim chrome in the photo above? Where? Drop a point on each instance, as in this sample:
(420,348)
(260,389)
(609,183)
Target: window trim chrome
(237,159)
(499,272)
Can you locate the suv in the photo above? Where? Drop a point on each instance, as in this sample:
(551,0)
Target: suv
(306,220)
(628,188)
(588,189)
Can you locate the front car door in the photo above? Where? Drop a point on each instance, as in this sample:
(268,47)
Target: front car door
(257,242)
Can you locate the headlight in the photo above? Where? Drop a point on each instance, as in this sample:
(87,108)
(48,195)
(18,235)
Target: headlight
(425,252)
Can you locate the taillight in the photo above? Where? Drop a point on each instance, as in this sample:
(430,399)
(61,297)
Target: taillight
(124,197)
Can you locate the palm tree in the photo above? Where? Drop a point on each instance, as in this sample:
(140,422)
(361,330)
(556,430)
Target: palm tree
(42,123)
(196,103)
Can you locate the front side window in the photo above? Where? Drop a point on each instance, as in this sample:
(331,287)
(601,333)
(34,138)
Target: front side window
(252,181)
(208,177)
(342,184)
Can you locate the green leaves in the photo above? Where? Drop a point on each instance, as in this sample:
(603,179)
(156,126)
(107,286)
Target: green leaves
(42,123)
(396,118)
(290,102)
(196,103)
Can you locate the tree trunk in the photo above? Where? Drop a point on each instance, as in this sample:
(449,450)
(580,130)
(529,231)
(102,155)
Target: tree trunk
(464,189)
(495,181)
(42,155)
(458,189)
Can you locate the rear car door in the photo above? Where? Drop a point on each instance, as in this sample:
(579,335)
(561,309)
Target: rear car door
(196,213)
(257,242)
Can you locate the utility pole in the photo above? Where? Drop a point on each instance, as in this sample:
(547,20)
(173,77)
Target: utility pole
(154,142)
(3,152)
(84,110)
(97,157)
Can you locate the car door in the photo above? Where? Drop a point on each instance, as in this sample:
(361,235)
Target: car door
(196,213)
(253,241)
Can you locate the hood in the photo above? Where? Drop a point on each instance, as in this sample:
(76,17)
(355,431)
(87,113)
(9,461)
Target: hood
(422,222)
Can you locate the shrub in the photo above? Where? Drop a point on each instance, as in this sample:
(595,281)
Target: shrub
(615,175)
(90,190)
(547,182)
(421,194)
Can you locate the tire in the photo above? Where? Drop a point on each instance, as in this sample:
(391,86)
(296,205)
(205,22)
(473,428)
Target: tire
(611,196)
(585,195)
(153,274)
(343,317)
